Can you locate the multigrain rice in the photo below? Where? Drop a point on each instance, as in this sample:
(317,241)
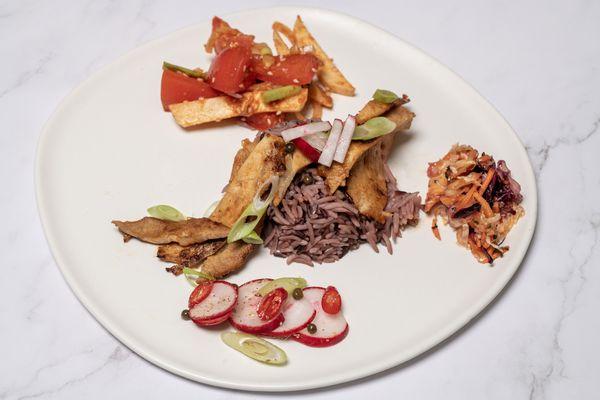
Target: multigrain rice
(311,225)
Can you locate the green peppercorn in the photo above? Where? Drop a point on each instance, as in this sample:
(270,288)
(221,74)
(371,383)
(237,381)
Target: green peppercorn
(185,315)
(297,293)
(308,179)
(312,328)
(289,147)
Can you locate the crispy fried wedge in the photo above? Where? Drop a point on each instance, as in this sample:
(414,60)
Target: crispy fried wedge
(316,93)
(337,174)
(197,112)
(328,73)
(366,184)
(266,159)
(185,233)
(230,258)
(294,164)
(374,109)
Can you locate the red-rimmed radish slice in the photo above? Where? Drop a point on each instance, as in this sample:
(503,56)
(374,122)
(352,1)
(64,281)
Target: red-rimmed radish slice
(245,314)
(298,314)
(331,329)
(214,321)
(328,152)
(303,130)
(345,139)
(219,303)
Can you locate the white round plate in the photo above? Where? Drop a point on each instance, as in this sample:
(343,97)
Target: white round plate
(110,152)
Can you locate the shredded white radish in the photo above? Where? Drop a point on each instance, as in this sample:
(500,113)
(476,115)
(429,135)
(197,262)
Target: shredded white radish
(304,130)
(316,140)
(345,139)
(328,152)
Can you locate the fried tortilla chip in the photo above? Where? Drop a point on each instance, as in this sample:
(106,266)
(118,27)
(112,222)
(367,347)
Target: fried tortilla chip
(266,159)
(197,112)
(221,28)
(187,256)
(280,46)
(316,93)
(230,258)
(328,73)
(374,109)
(336,175)
(294,163)
(367,185)
(185,233)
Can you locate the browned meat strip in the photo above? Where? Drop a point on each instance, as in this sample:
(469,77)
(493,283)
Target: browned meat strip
(188,255)
(230,258)
(185,233)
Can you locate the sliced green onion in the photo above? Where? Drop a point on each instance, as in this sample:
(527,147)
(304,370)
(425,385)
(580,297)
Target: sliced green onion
(193,274)
(254,347)
(165,212)
(289,284)
(253,238)
(210,209)
(384,96)
(373,128)
(246,223)
(192,73)
(280,93)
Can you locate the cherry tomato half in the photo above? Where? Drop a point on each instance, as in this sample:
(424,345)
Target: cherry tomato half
(177,88)
(200,293)
(270,306)
(331,301)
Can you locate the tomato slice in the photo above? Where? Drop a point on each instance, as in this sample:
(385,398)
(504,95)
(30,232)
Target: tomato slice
(331,301)
(295,69)
(200,293)
(177,88)
(306,149)
(229,70)
(270,306)
(264,121)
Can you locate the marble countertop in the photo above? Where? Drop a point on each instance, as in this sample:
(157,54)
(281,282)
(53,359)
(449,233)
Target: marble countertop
(537,62)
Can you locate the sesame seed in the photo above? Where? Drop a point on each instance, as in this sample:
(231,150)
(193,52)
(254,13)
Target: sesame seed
(313,69)
(270,73)
(278,113)
(295,80)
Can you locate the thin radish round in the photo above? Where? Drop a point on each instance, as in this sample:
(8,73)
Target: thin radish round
(220,302)
(298,314)
(331,329)
(214,321)
(245,314)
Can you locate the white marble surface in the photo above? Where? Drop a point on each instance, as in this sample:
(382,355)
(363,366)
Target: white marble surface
(537,62)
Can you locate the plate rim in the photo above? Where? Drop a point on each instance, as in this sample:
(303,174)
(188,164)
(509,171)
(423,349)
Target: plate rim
(464,319)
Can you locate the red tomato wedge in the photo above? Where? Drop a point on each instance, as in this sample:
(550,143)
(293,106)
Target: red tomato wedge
(264,121)
(229,70)
(270,306)
(306,149)
(224,36)
(200,293)
(295,69)
(331,301)
(177,88)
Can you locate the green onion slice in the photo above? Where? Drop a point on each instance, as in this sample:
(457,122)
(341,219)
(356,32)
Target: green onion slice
(192,73)
(193,274)
(246,223)
(289,284)
(253,238)
(165,212)
(280,93)
(384,96)
(373,128)
(255,347)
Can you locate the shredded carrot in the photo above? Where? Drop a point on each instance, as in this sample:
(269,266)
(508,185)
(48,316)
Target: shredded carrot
(434,228)
(464,202)
(488,179)
(487,210)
